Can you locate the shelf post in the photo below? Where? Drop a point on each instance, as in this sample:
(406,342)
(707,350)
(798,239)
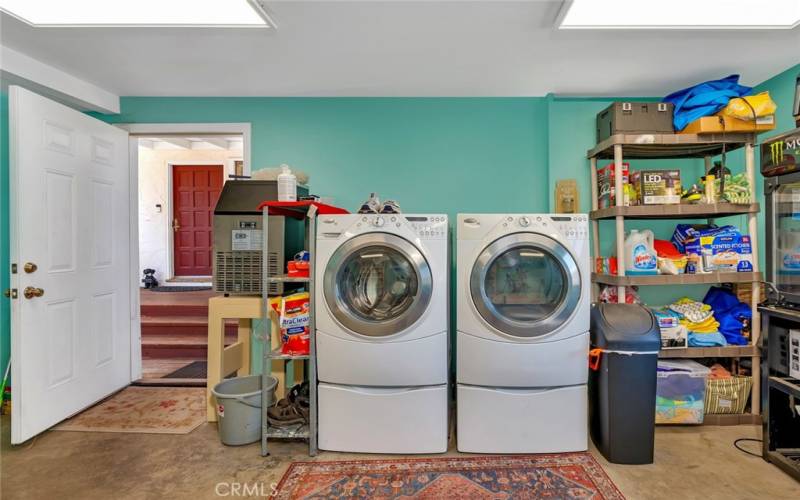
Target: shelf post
(265,335)
(311,238)
(708,164)
(755,323)
(620,220)
(595,223)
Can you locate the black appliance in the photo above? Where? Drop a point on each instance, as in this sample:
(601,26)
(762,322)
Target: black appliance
(780,388)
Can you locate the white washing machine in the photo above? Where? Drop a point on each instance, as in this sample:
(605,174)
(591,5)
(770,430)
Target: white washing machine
(382,342)
(523,303)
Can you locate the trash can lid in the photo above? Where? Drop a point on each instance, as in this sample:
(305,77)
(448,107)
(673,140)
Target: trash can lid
(625,327)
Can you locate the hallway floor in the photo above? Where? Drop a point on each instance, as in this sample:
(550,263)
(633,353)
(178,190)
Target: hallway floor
(691,462)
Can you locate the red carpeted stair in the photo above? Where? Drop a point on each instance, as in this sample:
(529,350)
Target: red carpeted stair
(175,325)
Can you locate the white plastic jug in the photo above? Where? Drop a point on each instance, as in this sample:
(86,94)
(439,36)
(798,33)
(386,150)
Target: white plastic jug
(287,184)
(640,253)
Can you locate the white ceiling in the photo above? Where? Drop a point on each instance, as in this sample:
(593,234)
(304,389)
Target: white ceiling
(184,142)
(403,48)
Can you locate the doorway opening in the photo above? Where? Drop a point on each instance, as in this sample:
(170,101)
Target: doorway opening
(180,177)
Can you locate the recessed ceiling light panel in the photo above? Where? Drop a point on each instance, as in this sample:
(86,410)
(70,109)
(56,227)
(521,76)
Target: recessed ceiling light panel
(679,14)
(218,13)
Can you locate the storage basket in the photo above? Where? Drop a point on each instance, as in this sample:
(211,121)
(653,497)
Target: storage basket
(727,395)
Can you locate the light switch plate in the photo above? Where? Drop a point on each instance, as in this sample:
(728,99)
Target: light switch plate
(566,198)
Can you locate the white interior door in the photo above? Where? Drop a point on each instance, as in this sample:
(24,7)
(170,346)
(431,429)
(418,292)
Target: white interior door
(69,218)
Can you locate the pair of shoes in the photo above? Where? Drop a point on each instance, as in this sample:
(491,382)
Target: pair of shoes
(292,410)
(390,207)
(373,205)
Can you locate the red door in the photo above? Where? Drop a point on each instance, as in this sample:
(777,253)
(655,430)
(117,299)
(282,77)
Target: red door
(195,190)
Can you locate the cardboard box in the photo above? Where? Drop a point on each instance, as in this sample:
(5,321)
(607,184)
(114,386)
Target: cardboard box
(606,196)
(657,187)
(723,123)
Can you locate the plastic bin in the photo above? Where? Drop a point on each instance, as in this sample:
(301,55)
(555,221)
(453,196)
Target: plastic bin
(239,408)
(681,392)
(622,381)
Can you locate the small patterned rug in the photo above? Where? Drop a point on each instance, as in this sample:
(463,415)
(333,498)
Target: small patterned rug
(566,475)
(148,410)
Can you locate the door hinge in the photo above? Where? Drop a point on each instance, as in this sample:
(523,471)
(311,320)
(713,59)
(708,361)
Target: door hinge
(14,268)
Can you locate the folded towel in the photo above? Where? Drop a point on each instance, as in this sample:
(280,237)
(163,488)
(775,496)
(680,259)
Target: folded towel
(714,339)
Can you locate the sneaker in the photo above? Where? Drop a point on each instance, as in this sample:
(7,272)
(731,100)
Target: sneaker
(390,207)
(371,206)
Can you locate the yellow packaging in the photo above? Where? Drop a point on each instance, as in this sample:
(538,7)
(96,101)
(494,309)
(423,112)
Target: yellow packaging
(750,107)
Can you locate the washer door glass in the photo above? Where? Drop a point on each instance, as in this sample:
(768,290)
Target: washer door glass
(377,284)
(525,285)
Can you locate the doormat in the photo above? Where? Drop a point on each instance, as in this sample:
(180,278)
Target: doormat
(195,369)
(146,410)
(566,475)
(174,288)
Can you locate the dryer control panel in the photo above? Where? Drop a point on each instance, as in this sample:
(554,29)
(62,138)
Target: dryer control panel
(428,226)
(573,227)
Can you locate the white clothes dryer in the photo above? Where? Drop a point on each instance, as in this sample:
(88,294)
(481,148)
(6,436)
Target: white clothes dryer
(523,302)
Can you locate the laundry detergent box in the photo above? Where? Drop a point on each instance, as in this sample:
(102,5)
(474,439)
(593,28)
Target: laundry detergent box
(721,251)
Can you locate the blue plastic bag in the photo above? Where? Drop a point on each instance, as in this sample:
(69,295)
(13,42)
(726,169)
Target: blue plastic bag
(704,99)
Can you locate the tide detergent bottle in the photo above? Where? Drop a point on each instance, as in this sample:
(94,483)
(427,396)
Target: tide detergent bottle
(640,253)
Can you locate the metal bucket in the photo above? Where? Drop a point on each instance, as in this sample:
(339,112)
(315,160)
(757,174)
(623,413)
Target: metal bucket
(238,406)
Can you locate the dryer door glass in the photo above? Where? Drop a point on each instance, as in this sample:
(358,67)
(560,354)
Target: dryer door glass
(525,285)
(377,284)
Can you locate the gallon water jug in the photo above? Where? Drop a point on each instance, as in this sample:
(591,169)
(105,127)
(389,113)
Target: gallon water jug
(640,253)
(287,185)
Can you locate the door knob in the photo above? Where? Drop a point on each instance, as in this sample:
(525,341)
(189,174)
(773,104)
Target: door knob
(175,225)
(31,292)
(30,267)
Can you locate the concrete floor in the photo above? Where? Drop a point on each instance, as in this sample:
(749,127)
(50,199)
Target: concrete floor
(690,462)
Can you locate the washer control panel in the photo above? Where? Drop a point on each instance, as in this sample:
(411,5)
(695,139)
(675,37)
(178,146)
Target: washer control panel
(427,226)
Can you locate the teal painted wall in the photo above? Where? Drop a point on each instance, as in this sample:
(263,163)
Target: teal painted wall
(432,155)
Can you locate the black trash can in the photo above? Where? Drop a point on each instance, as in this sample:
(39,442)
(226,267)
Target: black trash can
(622,382)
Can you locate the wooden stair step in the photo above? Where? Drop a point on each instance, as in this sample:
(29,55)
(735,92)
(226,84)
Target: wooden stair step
(185,325)
(175,309)
(178,345)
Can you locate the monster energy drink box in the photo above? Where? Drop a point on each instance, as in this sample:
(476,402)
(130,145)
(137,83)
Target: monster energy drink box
(781,154)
